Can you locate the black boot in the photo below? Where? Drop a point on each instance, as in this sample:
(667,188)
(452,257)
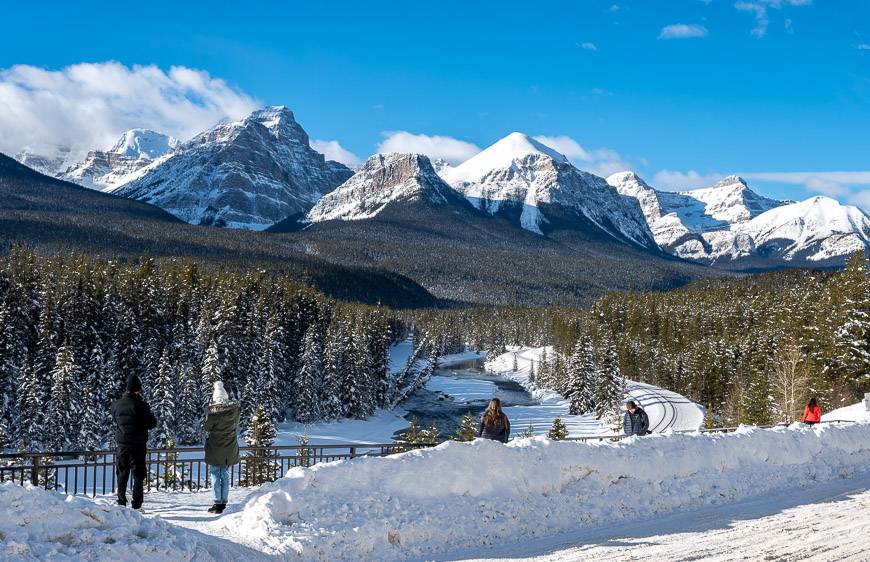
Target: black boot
(220,508)
(216,508)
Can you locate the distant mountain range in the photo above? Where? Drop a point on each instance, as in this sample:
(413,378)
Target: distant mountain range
(261,173)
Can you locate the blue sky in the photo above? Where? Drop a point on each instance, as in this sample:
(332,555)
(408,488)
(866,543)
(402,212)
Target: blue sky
(681,91)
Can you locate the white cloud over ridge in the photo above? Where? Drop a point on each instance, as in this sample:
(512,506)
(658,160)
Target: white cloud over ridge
(88,105)
(671,180)
(333,150)
(449,149)
(599,161)
(850,187)
(683,31)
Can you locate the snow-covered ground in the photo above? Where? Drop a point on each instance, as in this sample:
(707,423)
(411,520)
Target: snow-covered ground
(742,495)
(486,493)
(855,412)
(666,409)
(829,521)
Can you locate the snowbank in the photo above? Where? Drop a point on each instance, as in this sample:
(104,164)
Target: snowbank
(462,495)
(36,524)
(855,412)
(464,389)
(457,358)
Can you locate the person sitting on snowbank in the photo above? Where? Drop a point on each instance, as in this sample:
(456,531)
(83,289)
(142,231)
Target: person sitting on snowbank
(221,445)
(635,421)
(494,424)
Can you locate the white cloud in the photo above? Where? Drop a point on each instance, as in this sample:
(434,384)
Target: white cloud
(759,9)
(588,46)
(863,47)
(88,105)
(452,150)
(333,150)
(679,181)
(599,161)
(683,31)
(833,184)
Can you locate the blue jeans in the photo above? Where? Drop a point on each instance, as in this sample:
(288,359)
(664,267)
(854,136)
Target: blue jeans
(220,482)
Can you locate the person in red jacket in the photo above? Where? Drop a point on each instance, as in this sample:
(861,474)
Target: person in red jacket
(812,413)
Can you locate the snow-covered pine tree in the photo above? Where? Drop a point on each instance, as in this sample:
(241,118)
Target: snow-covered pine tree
(330,392)
(210,373)
(363,372)
(529,431)
(260,465)
(94,424)
(64,406)
(467,430)
(610,390)
(582,374)
(305,404)
(354,373)
(31,406)
(189,406)
(164,402)
(558,431)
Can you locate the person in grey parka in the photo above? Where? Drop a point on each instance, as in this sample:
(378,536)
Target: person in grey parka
(221,445)
(494,424)
(635,421)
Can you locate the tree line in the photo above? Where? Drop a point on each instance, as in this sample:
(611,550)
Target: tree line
(73,328)
(751,348)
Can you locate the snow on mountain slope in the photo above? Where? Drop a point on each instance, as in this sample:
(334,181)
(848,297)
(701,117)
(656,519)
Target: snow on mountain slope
(144,143)
(243,174)
(382,180)
(520,177)
(49,164)
(731,201)
(106,170)
(730,222)
(817,229)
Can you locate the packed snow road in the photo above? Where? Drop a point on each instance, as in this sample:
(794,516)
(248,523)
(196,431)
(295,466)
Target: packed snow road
(828,522)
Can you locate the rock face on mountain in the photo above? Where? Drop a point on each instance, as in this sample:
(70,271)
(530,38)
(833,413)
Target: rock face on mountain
(537,188)
(245,174)
(50,165)
(107,170)
(385,180)
(729,225)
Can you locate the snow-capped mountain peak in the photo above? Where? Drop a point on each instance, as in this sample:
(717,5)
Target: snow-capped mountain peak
(731,200)
(729,222)
(144,143)
(134,151)
(384,179)
(249,174)
(502,154)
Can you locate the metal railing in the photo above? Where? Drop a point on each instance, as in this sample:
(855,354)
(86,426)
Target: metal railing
(620,436)
(183,468)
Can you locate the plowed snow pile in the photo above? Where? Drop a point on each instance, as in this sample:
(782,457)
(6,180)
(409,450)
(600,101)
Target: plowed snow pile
(36,524)
(461,495)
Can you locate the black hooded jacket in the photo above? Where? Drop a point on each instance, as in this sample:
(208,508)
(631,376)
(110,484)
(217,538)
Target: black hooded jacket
(132,417)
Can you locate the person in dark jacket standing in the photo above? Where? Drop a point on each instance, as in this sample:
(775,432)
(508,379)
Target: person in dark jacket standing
(494,424)
(635,421)
(221,445)
(132,418)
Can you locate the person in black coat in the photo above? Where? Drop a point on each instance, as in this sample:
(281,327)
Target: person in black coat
(635,421)
(132,418)
(494,424)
